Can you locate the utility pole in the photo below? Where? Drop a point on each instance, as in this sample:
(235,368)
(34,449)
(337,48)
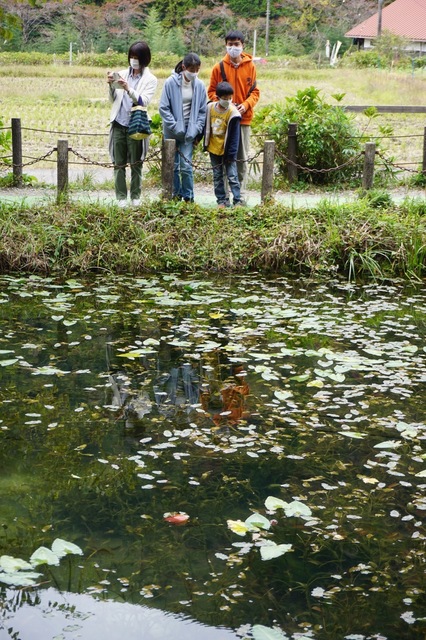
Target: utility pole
(268,11)
(379,21)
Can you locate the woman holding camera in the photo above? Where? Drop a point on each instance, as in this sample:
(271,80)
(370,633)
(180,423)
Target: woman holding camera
(134,85)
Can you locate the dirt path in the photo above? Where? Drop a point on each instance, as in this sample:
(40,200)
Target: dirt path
(204,196)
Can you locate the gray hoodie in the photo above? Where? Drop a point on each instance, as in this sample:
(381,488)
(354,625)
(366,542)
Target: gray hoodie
(171,109)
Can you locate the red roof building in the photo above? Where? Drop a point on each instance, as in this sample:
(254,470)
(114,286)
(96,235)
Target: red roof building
(406,18)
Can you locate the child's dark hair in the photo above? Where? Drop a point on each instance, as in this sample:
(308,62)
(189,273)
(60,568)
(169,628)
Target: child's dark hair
(235,35)
(224,89)
(190,60)
(142,51)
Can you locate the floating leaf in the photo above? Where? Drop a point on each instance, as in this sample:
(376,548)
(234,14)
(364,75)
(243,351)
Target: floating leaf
(20,579)
(10,564)
(388,444)
(257,521)
(272,504)
(283,395)
(7,363)
(136,353)
(271,550)
(297,509)
(62,548)
(316,383)
(302,378)
(421,474)
(43,555)
(352,434)
(238,527)
(266,633)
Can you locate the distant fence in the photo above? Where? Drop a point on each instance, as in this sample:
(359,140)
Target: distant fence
(166,155)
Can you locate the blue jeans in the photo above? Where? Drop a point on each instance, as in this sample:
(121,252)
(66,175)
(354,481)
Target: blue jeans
(183,180)
(221,168)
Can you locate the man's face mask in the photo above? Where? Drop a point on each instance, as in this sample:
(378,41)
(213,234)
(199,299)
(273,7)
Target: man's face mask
(234,50)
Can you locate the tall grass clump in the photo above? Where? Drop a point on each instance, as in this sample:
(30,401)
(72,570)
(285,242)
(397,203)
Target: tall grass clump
(353,239)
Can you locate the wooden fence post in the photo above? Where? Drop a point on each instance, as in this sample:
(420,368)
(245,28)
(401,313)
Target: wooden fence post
(167,166)
(368,173)
(424,152)
(292,153)
(268,170)
(17,151)
(62,169)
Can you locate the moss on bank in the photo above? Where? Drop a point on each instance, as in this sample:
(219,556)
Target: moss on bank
(354,239)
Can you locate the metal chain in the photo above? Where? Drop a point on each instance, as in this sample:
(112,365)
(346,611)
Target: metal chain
(27,164)
(330,170)
(396,166)
(207,167)
(110,165)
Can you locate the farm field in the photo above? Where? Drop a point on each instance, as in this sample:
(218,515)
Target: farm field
(56,102)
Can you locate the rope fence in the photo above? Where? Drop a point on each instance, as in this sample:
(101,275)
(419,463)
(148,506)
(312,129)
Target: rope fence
(166,155)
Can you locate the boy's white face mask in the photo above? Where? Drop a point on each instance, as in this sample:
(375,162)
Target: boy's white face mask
(234,51)
(224,103)
(134,63)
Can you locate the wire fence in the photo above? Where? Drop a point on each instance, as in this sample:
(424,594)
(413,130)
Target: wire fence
(18,161)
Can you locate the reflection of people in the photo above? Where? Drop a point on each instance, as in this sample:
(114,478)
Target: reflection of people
(233,394)
(183,110)
(137,86)
(239,70)
(222,136)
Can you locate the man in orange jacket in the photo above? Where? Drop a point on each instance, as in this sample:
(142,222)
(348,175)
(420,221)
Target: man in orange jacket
(239,70)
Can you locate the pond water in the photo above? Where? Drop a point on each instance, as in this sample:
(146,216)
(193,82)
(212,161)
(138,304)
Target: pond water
(129,404)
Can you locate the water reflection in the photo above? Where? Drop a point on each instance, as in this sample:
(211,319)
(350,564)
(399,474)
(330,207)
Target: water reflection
(199,391)
(124,399)
(52,615)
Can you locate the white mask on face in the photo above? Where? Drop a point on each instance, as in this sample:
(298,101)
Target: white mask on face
(134,63)
(234,51)
(224,103)
(190,75)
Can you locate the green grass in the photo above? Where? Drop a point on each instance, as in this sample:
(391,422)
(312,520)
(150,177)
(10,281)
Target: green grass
(354,240)
(74,100)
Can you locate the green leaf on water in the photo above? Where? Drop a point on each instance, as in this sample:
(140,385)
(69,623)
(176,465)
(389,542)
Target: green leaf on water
(388,444)
(257,521)
(266,633)
(62,548)
(283,395)
(43,555)
(272,503)
(10,564)
(271,550)
(352,434)
(7,363)
(20,579)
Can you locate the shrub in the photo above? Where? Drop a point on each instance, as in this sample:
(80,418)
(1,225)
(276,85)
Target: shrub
(327,136)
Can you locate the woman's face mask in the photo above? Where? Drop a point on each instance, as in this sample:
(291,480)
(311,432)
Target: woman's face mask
(234,51)
(134,63)
(190,75)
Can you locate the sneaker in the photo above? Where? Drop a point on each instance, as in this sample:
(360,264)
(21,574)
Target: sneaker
(136,202)
(121,204)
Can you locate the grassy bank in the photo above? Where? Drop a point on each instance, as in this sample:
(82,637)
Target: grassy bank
(366,238)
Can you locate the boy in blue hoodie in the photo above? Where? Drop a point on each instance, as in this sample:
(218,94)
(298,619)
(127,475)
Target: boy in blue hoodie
(221,140)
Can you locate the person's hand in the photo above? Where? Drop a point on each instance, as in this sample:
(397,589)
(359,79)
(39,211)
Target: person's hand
(123,84)
(241,108)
